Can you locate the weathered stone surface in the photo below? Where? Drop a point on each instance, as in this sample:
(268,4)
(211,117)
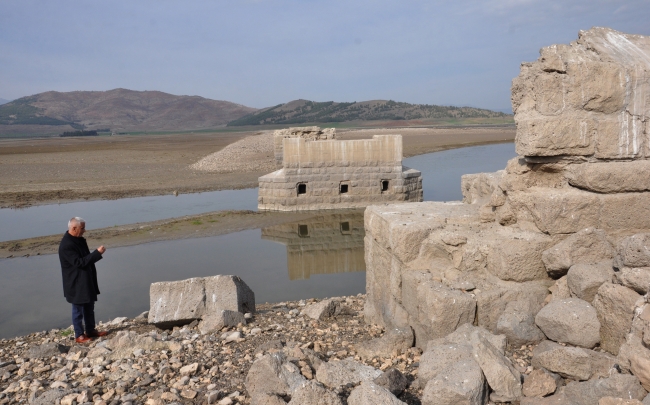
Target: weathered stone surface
(272,374)
(462,382)
(569,362)
(437,358)
(478,188)
(615,307)
(467,334)
(519,258)
(572,321)
(336,373)
(502,377)
(610,177)
(637,279)
(586,246)
(395,340)
(323,309)
(618,386)
(47,350)
(214,321)
(517,323)
(618,401)
(393,380)
(369,393)
(50,396)
(492,302)
(180,302)
(634,251)
(557,399)
(312,393)
(539,383)
(585,279)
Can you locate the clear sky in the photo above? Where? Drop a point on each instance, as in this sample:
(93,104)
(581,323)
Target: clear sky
(265,52)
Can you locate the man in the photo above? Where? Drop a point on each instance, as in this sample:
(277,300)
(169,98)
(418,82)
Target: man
(80,279)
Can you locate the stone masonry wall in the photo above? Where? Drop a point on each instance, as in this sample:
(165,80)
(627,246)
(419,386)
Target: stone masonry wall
(309,133)
(339,174)
(556,247)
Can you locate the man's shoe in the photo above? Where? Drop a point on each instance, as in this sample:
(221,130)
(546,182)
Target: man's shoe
(83,339)
(96,334)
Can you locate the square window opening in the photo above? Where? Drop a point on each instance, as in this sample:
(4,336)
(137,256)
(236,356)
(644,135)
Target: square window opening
(303,231)
(302,188)
(343,188)
(345,227)
(384,185)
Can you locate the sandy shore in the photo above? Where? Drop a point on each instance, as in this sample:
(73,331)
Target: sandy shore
(55,170)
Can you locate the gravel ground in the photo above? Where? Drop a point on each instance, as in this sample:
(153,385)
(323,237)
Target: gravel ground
(251,154)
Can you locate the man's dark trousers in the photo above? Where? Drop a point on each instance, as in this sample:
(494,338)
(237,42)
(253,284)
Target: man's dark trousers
(85,313)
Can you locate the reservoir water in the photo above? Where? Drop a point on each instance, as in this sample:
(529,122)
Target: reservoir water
(315,258)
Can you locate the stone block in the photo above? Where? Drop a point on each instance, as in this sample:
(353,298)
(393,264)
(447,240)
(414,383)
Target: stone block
(615,307)
(368,393)
(610,177)
(634,251)
(637,279)
(500,374)
(555,136)
(572,321)
(585,246)
(584,280)
(519,257)
(461,382)
(337,373)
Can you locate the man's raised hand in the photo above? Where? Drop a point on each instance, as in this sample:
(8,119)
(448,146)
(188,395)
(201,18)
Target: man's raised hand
(101,249)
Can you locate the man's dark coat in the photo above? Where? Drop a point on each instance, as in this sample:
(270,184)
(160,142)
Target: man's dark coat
(78,270)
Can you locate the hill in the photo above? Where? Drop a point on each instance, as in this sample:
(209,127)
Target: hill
(119,110)
(305,111)
(3,101)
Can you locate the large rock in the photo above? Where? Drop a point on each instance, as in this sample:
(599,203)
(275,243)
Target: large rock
(312,393)
(519,258)
(323,309)
(369,393)
(634,251)
(539,383)
(467,334)
(393,380)
(517,323)
(501,375)
(272,374)
(618,386)
(394,341)
(587,246)
(610,177)
(492,302)
(615,307)
(438,357)
(336,373)
(220,318)
(585,279)
(46,350)
(180,302)
(461,382)
(572,321)
(478,187)
(637,279)
(572,362)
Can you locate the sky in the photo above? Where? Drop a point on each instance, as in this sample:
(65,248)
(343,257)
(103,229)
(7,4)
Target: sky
(265,52)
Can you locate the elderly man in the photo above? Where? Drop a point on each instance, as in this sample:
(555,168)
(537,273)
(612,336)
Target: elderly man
(80,279)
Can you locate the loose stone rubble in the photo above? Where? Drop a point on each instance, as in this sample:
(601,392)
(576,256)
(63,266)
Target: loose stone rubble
(552,253)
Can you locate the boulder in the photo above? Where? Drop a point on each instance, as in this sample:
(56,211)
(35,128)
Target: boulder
(589,245)
(501,375)
(467,334)
(437,358)
(519,257)
(214,321)
(573,362)
(634,251)
(618,386)
(478,187)
(323,309)
(180,302)
(493,301)
(557,399)
(585,279)
(635,278)
(618,401)
(560,290)
(272,374)
(615,307)
(312,393)
(539,383)
(46,350)
(393,380)
(369,393)
(395,340)
(461,382)
(517,323)
(572,321)
(336,373)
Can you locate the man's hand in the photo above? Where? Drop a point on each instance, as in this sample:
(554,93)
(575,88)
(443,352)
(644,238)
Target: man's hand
(101,249)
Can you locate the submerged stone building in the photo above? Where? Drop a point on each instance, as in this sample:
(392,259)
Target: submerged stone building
(334,174)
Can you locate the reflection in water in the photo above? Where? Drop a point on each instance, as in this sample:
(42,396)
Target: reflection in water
(324,244)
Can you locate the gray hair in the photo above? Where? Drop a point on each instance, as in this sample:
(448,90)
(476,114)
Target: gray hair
(75,221)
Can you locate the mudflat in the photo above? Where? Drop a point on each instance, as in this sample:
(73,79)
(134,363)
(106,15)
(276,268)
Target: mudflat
(54,170)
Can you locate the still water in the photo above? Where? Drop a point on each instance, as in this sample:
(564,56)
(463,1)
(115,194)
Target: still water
(315,258)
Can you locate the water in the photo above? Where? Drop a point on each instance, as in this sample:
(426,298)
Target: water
(51,219)
(314,258)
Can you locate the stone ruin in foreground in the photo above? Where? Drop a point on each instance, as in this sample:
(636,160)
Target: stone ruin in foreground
(319,172)
(553,249)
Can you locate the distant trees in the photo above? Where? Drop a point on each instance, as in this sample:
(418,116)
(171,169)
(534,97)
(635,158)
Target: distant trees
(79,133)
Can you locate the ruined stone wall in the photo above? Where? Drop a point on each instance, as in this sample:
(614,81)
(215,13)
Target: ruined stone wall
(541,250)
(339,174)
(309,133)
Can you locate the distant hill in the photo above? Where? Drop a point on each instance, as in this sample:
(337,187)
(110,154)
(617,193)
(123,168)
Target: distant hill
(305,111)
(119,110)
(3,101)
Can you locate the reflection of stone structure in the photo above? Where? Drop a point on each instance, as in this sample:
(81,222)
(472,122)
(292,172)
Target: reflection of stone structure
(328,174)
(578,190)
(308,133)
(325,244)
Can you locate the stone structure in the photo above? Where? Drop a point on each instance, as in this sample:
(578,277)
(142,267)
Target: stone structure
(575,200)
(308,133)
(328,174)
(326,244)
